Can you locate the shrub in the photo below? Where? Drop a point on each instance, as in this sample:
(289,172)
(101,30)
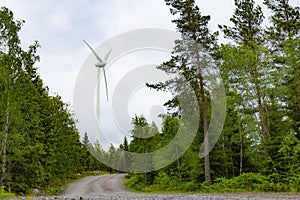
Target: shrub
(5,194)
(136,182)
(53,190)
(247,182)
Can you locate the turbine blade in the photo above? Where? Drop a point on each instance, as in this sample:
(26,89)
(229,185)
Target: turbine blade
(105,83)
(98,95)
(96,55)
(107,55)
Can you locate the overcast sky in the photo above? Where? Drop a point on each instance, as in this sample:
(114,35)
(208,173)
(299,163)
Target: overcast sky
(60,26)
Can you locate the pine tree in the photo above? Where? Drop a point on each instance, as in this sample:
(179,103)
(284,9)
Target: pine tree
(189,60)
(283,35)
(285,21)
(248,35)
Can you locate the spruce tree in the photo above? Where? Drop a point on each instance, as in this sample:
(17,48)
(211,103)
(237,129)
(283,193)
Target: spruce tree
(39,141)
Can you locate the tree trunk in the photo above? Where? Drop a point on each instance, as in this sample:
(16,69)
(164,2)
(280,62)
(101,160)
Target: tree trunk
(261,113)
(231,158)
(263,126)
(241,154)
(205,129)
(297,83)
(4,145)
(178,162)
(223,148)
(205,121)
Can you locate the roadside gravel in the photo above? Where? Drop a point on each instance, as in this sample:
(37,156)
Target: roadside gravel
(110,187)
(138,196)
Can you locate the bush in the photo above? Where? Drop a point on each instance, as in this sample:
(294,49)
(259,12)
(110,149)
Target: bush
(247,182)
(135,182)
(283,183)
(5,194)
(162,181)
(189,187)
(294,184)
(53,191)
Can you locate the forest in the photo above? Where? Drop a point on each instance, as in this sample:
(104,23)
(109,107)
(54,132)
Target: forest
(40,145)
(258,149)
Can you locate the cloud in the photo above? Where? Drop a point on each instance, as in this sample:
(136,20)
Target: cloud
(60,27)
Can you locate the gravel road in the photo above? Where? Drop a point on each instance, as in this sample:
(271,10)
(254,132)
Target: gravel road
(110,187)
(93,185)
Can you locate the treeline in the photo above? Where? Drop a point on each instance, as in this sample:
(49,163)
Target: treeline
(259,148)
(39,143)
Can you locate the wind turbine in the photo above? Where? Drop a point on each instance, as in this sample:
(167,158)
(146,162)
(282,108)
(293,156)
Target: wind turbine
(100,64)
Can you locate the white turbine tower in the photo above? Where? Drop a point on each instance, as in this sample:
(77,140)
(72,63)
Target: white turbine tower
(100,64)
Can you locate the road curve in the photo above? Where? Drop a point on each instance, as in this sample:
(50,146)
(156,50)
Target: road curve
(110,187)
(92,185)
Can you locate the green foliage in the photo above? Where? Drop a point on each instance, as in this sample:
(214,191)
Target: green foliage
(135,182)
(5,194)
(247,19)
(53,190)
(259,149)
(247,182)
(260,143)
(285,21)
(40,144)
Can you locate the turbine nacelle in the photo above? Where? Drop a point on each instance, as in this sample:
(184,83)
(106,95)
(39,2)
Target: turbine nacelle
(100,64)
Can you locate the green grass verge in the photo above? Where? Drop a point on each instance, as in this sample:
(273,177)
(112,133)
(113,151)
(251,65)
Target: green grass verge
(61,185)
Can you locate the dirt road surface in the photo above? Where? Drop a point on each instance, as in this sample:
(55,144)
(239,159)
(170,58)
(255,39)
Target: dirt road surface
(110,183)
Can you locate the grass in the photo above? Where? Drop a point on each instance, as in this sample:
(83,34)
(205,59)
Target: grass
(61,184)
(5,194)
